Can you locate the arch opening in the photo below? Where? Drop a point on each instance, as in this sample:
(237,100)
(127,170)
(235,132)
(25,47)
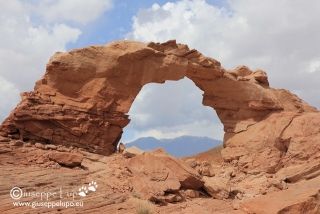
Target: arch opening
(163,112)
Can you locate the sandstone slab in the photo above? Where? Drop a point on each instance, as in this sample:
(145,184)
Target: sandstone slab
(152,179)
(63,149)
(156,174)
(50,146)
(302,197)
(67,159)
(4,139)
(17,143)
(187,176)
(299,172)
(216,187)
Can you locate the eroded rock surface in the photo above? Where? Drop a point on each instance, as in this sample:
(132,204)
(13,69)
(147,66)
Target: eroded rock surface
(83,98)
(299,198)
(159,176)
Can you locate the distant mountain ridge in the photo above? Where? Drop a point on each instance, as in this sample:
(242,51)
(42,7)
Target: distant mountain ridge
(179,147)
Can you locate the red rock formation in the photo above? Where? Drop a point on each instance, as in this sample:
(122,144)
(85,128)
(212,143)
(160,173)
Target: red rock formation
(299,198)
(158,176)
(83,98)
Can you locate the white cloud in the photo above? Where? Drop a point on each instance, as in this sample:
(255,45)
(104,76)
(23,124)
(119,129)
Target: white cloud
(72,10)
(314,66)
(172,109)
(174,103)
(280,37)
(196,128)
(32,31)
(25,47)
(9,96)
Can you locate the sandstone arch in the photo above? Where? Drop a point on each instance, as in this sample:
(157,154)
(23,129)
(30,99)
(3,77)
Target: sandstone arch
(83,98)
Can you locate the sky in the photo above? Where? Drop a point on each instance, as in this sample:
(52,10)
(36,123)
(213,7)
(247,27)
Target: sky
(279,37)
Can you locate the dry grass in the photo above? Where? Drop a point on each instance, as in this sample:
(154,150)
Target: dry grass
(144,208)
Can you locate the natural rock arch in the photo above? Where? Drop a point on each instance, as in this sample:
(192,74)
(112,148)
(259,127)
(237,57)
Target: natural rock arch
(83,98)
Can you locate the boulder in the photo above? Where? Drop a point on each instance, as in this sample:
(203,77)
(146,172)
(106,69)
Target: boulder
(157,173)
(190,193)
(132,151)
(39,145)
(27,144)
(63,149)
(66,158)
(121,147)
(252,185)
(261,76)
(187,176)
(152,179)
(170,198)
(192,162)
(50,146)
(206,169)
(17,143)
(216,187)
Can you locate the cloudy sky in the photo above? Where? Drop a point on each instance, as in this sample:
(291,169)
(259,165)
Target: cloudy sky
(280,37)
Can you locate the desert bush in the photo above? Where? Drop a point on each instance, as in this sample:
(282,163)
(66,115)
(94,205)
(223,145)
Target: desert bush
(144,208)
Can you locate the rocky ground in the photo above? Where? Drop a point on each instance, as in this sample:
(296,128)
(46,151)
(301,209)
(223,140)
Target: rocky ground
(53,173)
(29,167)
